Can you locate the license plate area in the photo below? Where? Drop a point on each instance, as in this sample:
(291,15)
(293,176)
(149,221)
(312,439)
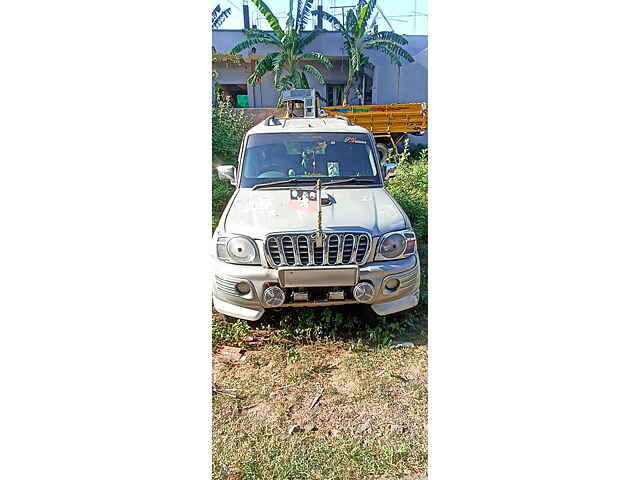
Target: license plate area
(339,276)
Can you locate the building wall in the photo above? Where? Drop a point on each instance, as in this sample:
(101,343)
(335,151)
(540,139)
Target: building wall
(329,43)
(407,84)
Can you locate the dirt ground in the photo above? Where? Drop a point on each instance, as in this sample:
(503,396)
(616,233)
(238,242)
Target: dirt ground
(325,410)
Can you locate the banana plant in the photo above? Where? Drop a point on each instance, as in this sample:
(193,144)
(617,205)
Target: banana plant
(289,64)
(218,16)
(357,40)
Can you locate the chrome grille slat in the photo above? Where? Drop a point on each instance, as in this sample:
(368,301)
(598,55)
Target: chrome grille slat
(333,245)
(303,250)
(283,260)
(298,249)
(287,246)
(340,249)
(347,248)
(272,242)
(296,252)
(362,249)
(325,251)
(312,250)
(226,286)
(354,250)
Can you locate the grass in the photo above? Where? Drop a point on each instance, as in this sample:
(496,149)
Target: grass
(384,388)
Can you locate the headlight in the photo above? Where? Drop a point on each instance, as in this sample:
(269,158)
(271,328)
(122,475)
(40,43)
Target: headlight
(395,245)
(237,249)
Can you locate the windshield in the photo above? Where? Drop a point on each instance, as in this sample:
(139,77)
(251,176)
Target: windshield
(305,157)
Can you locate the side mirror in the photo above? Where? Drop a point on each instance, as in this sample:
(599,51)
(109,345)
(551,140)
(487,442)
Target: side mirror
(227,172)
(389,170)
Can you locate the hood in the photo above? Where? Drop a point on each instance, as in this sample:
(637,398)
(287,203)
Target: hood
(260,212)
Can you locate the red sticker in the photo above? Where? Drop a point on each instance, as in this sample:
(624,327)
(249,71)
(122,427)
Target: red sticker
(303,199)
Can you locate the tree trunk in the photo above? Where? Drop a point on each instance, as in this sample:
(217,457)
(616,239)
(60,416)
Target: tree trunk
(347,90)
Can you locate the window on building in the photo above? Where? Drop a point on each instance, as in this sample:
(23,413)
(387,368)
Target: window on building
(368,90)
(363,82)
(237,92)
(334,95)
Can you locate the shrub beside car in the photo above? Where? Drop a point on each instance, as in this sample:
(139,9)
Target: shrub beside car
(409,188)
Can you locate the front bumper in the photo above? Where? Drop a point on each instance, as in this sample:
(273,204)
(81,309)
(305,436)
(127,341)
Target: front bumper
(249,306)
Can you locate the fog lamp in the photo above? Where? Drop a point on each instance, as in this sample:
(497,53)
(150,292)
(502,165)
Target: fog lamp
(392,284)
(273,296)
(243,288)
(363,292)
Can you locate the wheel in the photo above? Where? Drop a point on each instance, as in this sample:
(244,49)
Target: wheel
(383,151)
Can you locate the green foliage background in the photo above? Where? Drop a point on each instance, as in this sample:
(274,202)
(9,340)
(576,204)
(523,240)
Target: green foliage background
(409,188)
(229,126)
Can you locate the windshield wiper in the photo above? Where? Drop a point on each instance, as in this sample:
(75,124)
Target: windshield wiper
(324,184)
(279,182)
(347,180)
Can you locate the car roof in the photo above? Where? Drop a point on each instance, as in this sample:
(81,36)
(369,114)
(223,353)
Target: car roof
(297,125)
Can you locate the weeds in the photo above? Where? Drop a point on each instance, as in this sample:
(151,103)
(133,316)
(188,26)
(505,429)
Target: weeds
(229,126)
(229,333)
(221,192)
(356,325)
(409,187)
(288,354)
(383,335)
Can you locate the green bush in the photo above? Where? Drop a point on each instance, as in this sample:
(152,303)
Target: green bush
(409,187)
(416,149)
(221,192)
(229,126)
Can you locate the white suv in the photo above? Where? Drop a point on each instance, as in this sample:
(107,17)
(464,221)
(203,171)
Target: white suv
(311,224)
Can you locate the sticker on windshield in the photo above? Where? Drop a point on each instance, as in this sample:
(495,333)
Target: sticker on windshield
(333,169)
(353,140)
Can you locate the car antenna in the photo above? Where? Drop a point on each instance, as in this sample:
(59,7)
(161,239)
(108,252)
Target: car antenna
(318,233)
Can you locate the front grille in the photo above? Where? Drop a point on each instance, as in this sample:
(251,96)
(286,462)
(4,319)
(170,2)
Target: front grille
(298,249)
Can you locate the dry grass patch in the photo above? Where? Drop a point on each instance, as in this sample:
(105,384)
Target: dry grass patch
(370,419)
